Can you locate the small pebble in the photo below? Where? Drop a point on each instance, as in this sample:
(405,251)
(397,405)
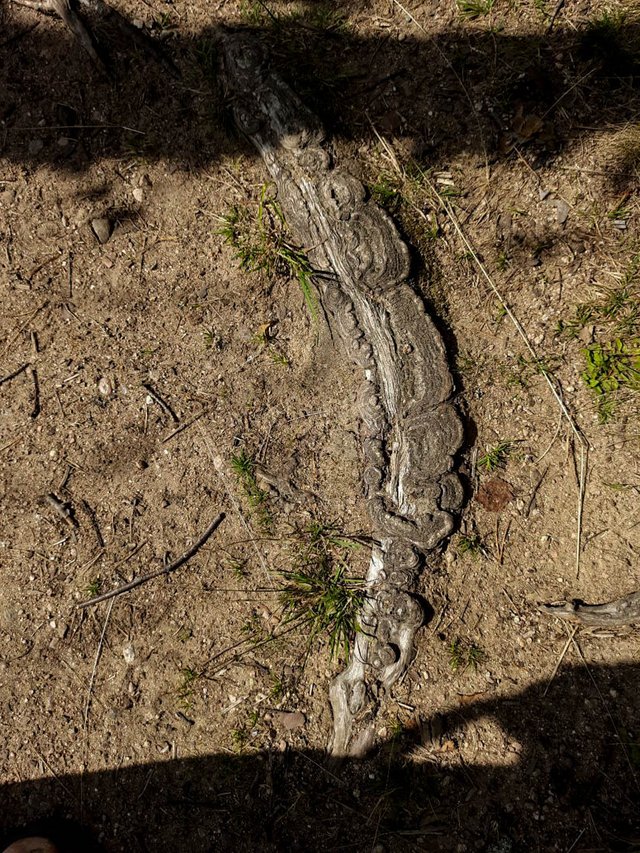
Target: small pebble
(101,228)
(105,387)
(128,653)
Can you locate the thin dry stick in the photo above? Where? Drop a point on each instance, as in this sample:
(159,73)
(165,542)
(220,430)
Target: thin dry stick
(582,441)
(14,374)
(560,659)
(78,127)
(24,326)
(67,790)
(87,706)
(184,426)
(554,15)
(165,571)
(580,834)
(551,443)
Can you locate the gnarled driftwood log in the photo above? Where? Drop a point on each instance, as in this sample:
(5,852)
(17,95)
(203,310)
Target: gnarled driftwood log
(622,611)
(411,430)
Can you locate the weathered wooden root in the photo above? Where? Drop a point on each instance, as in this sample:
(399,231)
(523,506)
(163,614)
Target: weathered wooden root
(99,10)
(410,429)
(622,611)
(71,20)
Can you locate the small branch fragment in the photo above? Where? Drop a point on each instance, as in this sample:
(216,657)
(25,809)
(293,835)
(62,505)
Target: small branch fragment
(94,521)
(36,391)
(63,509)
(166,408)
(71,20)
(623,611)
(165,571)
(15,373)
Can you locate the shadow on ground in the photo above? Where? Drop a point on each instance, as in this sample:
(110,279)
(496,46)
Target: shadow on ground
(572,779)
(472,89)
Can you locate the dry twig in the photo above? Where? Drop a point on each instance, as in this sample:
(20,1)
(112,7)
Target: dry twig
(188,554)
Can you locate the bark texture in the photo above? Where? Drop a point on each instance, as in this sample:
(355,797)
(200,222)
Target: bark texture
(410,428)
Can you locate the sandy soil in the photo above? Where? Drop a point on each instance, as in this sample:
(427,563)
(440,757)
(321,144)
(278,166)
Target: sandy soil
(145,359)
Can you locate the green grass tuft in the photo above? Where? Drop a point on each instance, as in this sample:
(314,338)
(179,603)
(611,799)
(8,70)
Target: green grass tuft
(611,368)
(495,457)
(243,467)
(463,655)
(473,9)
(470,543)
(261,244)
(319,593)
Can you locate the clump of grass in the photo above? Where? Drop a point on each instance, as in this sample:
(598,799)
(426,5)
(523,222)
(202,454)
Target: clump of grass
(320,16)
(385,191)
(211,339)
(277,688)
(611,369)
(610,41)
(327,601)
(254,630)
(502,262)
(165,22)
(262,244)
(471,544)
(402,192)
(239,738)
(189,677)
(94,587)
(473,9)
(206,55)
(237,566)
(319,593)
(495,457)
(527,368)
(617,307)
(278,357)
(621,211)
(243,467)
(463,655)
(612,361)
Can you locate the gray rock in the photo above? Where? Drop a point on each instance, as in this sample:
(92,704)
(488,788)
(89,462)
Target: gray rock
(101,227)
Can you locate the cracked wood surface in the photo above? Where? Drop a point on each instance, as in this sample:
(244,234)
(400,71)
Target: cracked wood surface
(622,611)
(410,428)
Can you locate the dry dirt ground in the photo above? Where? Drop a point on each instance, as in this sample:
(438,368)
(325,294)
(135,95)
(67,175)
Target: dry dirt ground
(169,717)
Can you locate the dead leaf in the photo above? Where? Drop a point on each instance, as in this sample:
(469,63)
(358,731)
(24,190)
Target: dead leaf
(526,126)
(495,494)
(290,719)
(470,698)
